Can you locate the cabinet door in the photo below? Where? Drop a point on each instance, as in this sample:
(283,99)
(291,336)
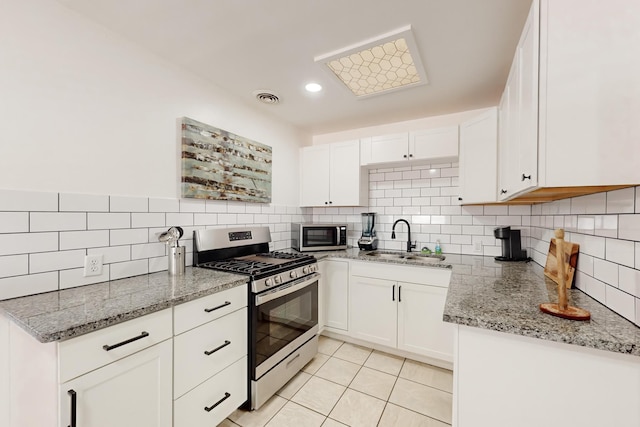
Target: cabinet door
(421,329)
(132,392)
(335,280)
(314,175)
(527,157)
(344,180)
(434,143)
(373,310)
(389,148)
(478,158)
(508,141)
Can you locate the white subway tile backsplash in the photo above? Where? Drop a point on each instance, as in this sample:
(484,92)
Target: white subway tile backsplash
(451,229)
(392,176)
(128,237)
(139,220)
(106,221)
(17,200)
(473,229)
(605,271)
(128,204)
(606,225)
(205,219)
(402,184)
(629,227)
(461,240)
(621,201)
(430,173)
(55,221)
(620,251)
(14,222)
(496,210)
(70,202)
(161,264)
(586,224)
(193,205)
(52,261)
(121,270)
(238,207)
(112,254)
(179,219)
(12,287)
(164,205)
(25,243)
(585,264)
(83,239)
(590,245)
(520,210)
(230,219)
(620,302)
(441,182)
(148,250)
(513,221)
(244,218)
(75,277)
(463,220)
(412,174)
(629,280)
(14,265)
(440,201)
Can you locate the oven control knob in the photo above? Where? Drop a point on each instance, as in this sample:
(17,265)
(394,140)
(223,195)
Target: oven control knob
(278,279)
(306,270)
(268,282)
(293,274)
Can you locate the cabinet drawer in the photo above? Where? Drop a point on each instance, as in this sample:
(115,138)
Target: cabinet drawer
(189,410)
(198,312)
(403,273)
(226,341)
(88,352)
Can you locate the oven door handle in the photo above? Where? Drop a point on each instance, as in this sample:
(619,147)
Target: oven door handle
(275,293)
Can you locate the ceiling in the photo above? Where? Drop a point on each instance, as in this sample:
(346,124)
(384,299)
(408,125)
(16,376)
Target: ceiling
(466,47)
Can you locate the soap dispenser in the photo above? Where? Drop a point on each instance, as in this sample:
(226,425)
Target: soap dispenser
(438,248)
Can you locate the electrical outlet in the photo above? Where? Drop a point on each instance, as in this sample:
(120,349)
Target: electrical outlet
(92,265)
(477,247)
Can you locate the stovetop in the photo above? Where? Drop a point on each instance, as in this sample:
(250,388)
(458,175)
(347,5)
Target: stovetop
(261,264)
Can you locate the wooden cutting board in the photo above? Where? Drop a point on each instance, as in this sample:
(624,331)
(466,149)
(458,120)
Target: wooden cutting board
(570,262)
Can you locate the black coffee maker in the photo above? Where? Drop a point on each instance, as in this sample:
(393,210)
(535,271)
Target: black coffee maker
(511,244)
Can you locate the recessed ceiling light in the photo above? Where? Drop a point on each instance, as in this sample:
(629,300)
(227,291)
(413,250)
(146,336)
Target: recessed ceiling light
(381,64)
(313,87)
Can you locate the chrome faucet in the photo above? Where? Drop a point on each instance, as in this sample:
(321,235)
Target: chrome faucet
(393,234)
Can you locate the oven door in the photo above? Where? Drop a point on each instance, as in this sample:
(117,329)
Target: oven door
(283,319)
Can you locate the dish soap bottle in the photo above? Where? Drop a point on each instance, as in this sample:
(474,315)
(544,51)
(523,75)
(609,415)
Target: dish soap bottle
(438,248)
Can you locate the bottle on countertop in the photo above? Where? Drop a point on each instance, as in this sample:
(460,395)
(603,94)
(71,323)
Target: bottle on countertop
(438,248)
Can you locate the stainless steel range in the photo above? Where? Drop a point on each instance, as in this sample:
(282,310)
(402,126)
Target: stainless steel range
(283,302)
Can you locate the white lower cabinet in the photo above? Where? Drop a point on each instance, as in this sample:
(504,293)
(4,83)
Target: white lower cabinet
(334,277)
(212,401)
(133,392)
(401,314)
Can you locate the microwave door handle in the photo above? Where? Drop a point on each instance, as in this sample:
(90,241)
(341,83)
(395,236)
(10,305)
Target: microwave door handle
(270,296)
(337,236)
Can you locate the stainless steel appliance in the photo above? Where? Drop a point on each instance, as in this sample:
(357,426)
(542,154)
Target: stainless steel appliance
(318,237)
(283,303)
(511,244)
(368,241)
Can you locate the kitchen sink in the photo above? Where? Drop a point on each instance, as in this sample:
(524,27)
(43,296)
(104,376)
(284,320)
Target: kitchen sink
(408,256)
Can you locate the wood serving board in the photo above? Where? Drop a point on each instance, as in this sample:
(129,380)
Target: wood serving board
(570,262)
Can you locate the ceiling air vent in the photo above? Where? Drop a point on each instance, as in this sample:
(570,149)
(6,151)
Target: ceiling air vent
(266,97)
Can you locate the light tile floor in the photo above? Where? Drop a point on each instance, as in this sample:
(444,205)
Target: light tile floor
(349,385)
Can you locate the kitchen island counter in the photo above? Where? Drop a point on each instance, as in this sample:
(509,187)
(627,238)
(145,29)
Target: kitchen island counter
(67,313)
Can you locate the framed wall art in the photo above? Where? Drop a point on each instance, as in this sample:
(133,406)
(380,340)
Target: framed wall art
(219,165)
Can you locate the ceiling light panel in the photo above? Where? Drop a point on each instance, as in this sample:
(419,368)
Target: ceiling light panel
(385,63)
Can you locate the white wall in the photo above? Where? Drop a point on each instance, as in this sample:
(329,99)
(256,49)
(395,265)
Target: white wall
(83,110)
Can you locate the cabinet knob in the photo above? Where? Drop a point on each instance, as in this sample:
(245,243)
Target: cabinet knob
(330,202)
(326,203)
(405,156)
(503,191)
(526,177)
(460,198)
(410,155)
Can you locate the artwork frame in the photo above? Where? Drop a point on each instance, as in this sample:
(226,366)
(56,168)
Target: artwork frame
(219,165)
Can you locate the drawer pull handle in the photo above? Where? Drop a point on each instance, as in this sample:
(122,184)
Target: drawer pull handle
(212,407)
(129,341)
(291,361)
(74,397)
(393,293)
(209,310)
(400,293)
(220,347)
(526,177)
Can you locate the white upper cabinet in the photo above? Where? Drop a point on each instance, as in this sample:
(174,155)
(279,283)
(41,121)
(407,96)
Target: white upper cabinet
(438,143)
(518,152)
(330,175)
(568,116)
(478,158)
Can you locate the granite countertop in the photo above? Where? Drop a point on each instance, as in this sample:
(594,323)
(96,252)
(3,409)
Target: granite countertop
(64,314)
(505,297)
(357,254)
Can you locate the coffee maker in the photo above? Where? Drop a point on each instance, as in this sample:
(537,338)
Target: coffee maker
(511,244)
(368,241)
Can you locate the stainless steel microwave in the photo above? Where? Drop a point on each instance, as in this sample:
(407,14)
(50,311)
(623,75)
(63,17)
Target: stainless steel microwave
(306,237)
